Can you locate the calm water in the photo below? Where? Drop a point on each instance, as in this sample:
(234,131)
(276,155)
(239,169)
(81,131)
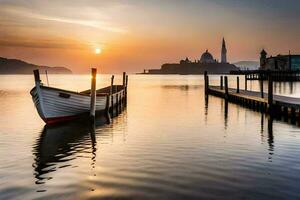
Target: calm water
(167,144)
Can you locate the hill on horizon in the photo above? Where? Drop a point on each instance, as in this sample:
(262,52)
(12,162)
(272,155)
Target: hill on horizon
(251,65)
(15,66)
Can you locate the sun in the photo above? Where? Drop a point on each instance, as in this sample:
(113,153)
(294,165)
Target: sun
(97,51)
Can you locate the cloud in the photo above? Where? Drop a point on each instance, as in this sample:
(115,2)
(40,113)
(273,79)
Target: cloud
(100,24)
(88,23)
(42,43)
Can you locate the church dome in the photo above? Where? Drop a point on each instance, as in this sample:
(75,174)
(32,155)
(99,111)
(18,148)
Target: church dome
(207,58)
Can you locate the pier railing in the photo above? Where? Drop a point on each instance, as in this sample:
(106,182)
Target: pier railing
(277,75)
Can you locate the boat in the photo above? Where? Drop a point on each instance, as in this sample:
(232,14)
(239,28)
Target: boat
(57,105)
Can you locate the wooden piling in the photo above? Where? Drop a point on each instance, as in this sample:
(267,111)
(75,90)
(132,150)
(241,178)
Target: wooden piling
(124,79)
(237,84)
(206,83)
(273,105)
(46,72)
(270,92)
(111,94)
(117,104)
(285,112)
(221,82)
(38,83)
(226,88)
(36,74)
(261,82)
(121,100)
(107,108)
(245,82)
(124,86)
(126,89)
(293,114)
(93,94)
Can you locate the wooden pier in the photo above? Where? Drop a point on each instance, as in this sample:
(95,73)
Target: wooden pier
(276,106)
(120,99)
(279,75)
(116,96)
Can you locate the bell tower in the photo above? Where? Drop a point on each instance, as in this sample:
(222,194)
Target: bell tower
(263,58)
(223,52)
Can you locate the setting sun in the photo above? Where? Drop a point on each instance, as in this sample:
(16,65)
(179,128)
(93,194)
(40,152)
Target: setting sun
(97,51)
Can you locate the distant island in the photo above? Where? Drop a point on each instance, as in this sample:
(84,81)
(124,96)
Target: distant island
(15,66)
(205,63)
(247,65)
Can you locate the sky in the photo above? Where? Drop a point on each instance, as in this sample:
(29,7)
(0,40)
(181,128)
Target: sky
(132,35)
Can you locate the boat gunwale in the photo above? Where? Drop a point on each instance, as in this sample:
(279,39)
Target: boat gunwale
(73,92)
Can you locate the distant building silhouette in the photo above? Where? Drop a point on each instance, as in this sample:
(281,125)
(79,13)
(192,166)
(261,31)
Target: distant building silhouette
(206,58)
(279,62)
(263,57)
(223,52)
(206,63)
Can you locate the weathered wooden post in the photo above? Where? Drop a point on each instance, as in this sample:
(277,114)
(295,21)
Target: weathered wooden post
(293,114)
(126,89)
(124,78)
(107,108)
(285,112)
(246,82)
(261,82)
(221,82)
(37,81)
(111,95)
(226,114)
(226,88)
(46,72)
(270,93)
(36,74)
(117,104)
(205,83)
(93,94)
(237,84)
(124,85)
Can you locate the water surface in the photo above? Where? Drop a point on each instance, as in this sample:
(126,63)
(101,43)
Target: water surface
(169,143)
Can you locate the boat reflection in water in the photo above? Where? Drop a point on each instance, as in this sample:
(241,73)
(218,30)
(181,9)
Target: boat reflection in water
(58,145)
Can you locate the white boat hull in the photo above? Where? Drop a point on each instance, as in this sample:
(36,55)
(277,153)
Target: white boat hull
(54,105)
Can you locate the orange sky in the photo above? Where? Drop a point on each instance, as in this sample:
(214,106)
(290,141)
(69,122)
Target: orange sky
(134,35)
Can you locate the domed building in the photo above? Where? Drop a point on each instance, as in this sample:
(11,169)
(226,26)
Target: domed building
(206,57)
(206,63)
